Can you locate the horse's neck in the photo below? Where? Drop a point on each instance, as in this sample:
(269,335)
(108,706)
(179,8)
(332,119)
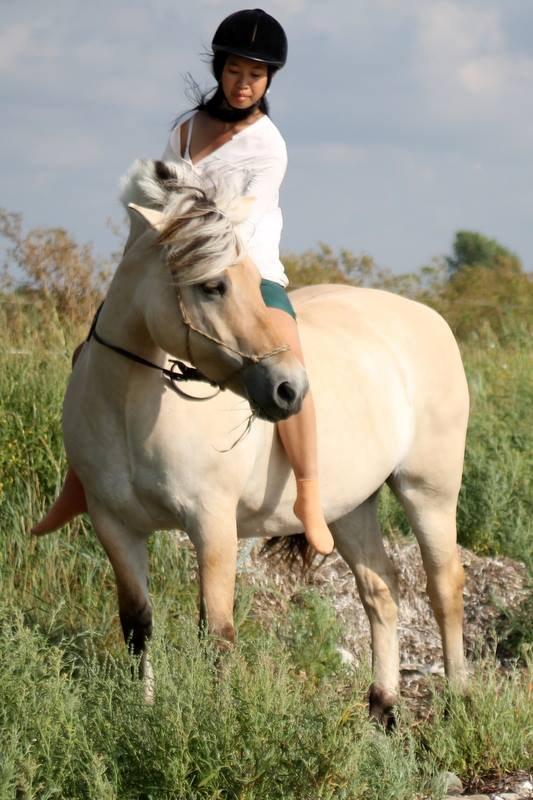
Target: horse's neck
(121,320)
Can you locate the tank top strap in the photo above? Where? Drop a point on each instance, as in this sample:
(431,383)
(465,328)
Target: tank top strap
(187,153)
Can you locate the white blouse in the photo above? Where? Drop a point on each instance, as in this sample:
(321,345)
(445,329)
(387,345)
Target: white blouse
(260,151)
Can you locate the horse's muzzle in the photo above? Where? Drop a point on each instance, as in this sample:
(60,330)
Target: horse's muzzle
(275,392)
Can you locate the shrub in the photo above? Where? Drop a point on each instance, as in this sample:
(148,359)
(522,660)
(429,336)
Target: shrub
(55,274)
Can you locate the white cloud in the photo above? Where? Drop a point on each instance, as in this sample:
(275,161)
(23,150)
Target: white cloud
(278,8)
(65,151)
(450,39)
(25,51)
(14,43)
(451,32)
(329,153)
(467,69)
(497,75)
(143,93)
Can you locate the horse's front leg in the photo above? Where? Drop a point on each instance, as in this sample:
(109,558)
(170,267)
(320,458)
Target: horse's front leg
(215,540)
(128,554)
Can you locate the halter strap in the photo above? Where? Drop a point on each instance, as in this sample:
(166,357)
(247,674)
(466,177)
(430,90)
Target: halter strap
(179,371)
(255,359)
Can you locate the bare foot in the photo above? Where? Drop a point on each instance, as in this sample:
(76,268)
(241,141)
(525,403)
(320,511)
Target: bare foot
(308,509)
(70,503)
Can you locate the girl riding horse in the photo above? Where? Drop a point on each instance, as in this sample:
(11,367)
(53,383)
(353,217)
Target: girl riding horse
(232,132)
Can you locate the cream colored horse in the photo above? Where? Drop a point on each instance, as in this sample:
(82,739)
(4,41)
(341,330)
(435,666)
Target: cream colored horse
(392,406)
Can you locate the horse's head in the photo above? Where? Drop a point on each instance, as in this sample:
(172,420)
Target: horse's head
(199,294)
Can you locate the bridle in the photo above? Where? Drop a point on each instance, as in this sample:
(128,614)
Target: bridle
(179,372)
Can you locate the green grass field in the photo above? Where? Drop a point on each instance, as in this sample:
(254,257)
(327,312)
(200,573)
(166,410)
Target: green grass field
(275,718)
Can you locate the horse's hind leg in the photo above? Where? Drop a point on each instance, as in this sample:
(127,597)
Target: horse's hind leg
(431,512)
(359,541)
(128,555)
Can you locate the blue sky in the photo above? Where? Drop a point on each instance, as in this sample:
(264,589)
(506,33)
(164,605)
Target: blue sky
(405,120)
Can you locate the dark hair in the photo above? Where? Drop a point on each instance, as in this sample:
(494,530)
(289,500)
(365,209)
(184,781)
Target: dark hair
(214,102)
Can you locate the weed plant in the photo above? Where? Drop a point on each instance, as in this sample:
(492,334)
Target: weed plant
(280,716)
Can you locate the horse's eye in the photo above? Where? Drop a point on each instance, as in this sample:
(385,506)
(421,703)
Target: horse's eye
(215,287)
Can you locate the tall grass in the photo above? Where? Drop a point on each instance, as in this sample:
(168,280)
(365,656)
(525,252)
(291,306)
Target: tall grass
(496,502)
(77,727)
(280,716)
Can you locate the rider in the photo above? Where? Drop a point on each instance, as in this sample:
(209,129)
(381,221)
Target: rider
(232,131)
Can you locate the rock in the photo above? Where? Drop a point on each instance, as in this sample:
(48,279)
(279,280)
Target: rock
(453,785)
(524,788)
(505,796)
(471,797)
(346,657)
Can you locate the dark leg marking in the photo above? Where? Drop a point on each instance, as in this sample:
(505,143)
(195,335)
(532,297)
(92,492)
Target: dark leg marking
(381,706)
(225,636)
(137,628)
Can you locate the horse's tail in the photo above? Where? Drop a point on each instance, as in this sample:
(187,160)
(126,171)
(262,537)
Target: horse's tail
(293,551)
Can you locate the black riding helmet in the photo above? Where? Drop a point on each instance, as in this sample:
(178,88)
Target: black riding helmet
(252,34)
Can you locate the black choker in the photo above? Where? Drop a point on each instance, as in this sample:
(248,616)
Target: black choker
(219,108)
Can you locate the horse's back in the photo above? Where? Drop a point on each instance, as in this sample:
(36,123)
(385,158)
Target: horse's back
(382,325)
(387,377)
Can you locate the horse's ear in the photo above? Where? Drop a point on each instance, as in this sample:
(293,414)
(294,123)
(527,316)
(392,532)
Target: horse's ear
(140,220)
(152,217)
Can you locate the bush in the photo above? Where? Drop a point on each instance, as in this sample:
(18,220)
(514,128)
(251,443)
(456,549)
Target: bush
(495,503)
(55,274)
(484,304)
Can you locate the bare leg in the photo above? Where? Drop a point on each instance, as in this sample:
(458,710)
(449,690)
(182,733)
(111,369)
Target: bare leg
(71,501)
(298,436)
(69,504)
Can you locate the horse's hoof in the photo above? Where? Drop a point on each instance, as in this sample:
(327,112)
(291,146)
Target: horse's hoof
(381,707)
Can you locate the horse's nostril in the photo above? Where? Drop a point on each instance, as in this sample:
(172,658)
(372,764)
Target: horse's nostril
(286,393)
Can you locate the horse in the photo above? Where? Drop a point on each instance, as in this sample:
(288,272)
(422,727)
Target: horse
(392,407)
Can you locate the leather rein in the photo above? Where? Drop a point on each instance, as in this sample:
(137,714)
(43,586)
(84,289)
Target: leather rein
(180,372)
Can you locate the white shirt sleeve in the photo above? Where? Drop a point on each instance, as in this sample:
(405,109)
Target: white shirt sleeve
(264,223)
(264,185)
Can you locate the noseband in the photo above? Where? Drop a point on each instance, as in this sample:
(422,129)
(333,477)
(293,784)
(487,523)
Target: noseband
(180,372)
(246,357)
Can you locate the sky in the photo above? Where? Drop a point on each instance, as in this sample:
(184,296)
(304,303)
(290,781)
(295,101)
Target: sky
(405,120)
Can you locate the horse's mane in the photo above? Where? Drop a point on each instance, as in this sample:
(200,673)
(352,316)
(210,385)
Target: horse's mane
(201,215)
